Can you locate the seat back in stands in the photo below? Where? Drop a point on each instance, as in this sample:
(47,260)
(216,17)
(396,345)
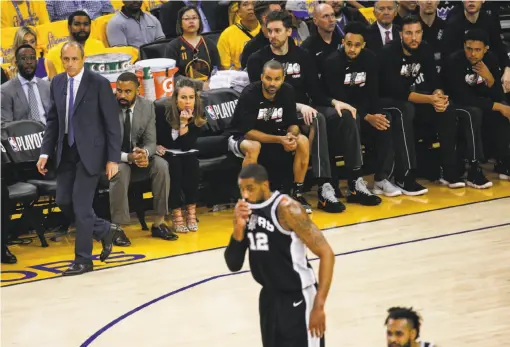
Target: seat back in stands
(156,49)
(213,35)
(219,106)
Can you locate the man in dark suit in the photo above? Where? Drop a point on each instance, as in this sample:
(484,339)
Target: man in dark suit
(83,126)
(383,30)
(138,120)
(25,97)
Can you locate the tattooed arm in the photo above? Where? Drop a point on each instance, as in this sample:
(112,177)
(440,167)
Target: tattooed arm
(292,216)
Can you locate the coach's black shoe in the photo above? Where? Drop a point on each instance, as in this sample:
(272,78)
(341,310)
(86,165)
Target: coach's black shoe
(164,232)
(78,269)
(107,242)
(476,178)
(359,193)
(120,239)
(7,256)
(328,202)
(409,186)
(503,170)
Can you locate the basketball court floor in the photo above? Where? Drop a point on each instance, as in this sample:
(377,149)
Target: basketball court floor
(447,254)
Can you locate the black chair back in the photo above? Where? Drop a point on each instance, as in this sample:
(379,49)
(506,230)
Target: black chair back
(156,49)
(219,106)
(22,141)
(213,35)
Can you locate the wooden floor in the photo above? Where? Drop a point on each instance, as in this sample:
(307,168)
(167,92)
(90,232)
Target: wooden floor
(447,254)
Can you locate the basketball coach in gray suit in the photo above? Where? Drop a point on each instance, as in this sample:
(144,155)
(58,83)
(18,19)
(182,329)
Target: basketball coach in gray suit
(25,97)
(83,126)
(138,127)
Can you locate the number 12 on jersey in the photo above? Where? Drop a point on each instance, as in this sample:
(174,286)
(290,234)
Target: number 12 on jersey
(258,241)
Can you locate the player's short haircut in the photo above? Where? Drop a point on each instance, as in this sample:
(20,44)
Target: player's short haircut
(128,77)
(356,28)
(280,16)
(408,314)
(477,35)
(273,65)
(25,46)
(410,19)
(255,171)
(75,44)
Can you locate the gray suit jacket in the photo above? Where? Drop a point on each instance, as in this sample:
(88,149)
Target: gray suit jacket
(143,127)
(14,101)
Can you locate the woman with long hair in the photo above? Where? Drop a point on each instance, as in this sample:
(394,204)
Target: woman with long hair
(27,36)
(195,55)
(178,130)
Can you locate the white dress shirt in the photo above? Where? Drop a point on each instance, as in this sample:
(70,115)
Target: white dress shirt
(76,85)
(24,85)
(383,31)
(124,155)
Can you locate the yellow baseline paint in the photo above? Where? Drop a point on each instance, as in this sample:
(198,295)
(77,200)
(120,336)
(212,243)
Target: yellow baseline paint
(35,263)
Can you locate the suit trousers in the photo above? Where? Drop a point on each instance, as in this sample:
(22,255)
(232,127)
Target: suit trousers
(75,195)
(119,186)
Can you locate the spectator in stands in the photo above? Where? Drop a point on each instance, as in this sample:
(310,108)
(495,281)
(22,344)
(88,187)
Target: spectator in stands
(6,256)
(60,10)
(214,15)
(352,76)
(262,8)
(138,125)
(25,97)
(326,38)
(178,130)
(19,13)
(408,67)
(433,29)
(382,31)
(472,78)
(27,36)
(403,328)
(133,27)
(474,18)
(341,126)
(266,113)
(405,8)
(300,30)
(195,55)
(345,15)
(233,39)
(79,25)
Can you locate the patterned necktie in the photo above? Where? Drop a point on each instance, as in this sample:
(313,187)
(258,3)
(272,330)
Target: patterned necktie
(126,139)
(70,112)
(387,38)
(32,102)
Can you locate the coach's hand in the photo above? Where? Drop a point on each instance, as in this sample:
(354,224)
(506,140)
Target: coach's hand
(317,321)
(41,165)
(111,169)
(242,214)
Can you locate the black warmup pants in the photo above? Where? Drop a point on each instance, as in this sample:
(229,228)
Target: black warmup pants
(496,135)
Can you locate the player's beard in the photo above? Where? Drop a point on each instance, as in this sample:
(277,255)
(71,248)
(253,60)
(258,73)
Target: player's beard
(408,344)
(412,51)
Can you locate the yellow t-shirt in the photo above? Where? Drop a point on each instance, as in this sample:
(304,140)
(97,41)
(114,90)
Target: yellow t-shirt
(92,47)
(37,15)
(231,44)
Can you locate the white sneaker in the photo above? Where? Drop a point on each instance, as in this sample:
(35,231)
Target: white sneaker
(386,188)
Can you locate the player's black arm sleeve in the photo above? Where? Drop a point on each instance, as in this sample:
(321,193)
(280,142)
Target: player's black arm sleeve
(234,254)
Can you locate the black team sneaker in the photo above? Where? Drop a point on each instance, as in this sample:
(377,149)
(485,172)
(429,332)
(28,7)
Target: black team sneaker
(476,178)
(328,202)
(298,196)
(409,186)
(450,179)
(358,193)
(503,170)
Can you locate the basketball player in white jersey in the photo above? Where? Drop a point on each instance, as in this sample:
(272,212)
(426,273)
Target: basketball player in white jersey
(277,230)
(403,328)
